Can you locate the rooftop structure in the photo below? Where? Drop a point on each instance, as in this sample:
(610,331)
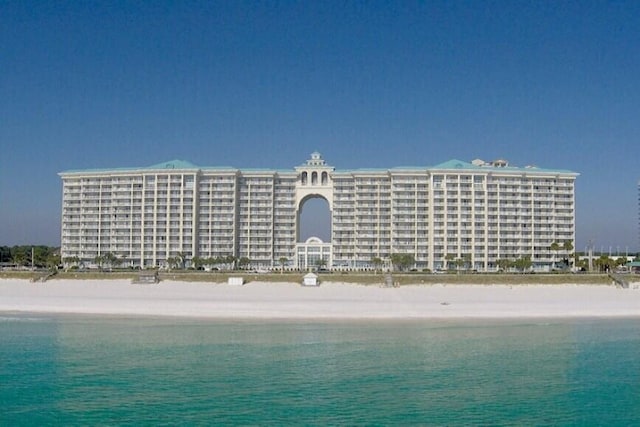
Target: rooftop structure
(471,215)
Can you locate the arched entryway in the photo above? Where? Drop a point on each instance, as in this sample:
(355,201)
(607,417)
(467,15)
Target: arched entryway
(313,255)
(313,250)
(313,219)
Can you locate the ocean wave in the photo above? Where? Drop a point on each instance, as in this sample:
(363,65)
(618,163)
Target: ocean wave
(10,319)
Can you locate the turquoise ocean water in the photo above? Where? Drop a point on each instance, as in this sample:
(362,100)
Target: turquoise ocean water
(115,371)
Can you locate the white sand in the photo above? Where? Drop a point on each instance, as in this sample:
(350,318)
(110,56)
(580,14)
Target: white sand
(328,301)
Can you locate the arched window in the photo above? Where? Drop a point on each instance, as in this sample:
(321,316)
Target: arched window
(324,178)
(314,178)
(304,178)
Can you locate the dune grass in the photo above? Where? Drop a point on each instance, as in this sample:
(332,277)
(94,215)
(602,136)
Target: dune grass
(354,278)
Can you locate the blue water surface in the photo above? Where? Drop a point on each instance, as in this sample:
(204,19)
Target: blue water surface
(94,371)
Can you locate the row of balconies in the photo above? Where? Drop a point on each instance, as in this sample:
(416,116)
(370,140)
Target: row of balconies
(225,217)
(218,228)
(217,232)
(509,223)
(419,193)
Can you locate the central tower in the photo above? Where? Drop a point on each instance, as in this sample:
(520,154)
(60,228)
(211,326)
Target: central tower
(314,180)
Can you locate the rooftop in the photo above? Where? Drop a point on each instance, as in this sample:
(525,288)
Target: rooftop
(500,165)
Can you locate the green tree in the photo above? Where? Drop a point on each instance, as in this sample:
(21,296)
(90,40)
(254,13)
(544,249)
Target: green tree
(402,261)
(21,255)
(243,262)
(567,246)
(72,261)
(40,255)
(110,260)
(53,261)
(582,263)
(19,259)
(213,262)
(503,264)
(523,264)
(198,262)
(173,262)
(620,261)
(5,254)
(105,260)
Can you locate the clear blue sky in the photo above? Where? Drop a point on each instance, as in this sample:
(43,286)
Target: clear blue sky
(368,84)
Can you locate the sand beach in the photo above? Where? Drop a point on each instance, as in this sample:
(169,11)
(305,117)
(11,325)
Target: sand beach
(262,300)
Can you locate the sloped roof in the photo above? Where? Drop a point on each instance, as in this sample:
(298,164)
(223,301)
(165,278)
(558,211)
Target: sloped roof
(455,164)
(174,164)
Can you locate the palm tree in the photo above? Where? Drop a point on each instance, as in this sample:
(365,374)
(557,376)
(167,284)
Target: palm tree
(604,263)
(173,262)
(182,259)
(231,261)
(568,247)
(283,261)
(110,259)
(117,261)
(99,261)
(458,262)
(555,247)
(376,262)
(449,258)
(321,263)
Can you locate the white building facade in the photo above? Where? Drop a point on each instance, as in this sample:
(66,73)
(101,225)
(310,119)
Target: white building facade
(477,212)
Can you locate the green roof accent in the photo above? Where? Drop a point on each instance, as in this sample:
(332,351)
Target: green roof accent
(455,164)
(174,164)
(219,168)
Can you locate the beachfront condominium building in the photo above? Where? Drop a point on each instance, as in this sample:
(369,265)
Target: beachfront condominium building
(471,215)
